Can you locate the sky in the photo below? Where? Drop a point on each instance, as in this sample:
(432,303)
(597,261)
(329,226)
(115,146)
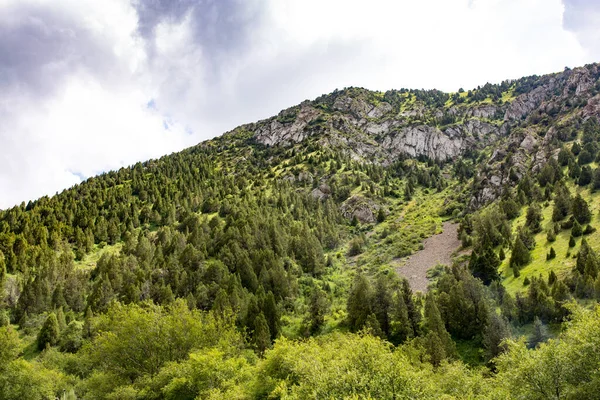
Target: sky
(87,86)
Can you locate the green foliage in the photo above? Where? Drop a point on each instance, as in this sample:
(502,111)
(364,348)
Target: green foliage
(484,265)
(359,302)
(134,341)
(50,332)
(563,368)
(581,210)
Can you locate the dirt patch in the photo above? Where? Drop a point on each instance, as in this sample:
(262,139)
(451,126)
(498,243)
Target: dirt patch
(437,249)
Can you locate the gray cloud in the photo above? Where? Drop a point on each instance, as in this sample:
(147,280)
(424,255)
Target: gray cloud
(582,17)
(40,46)
(221,28)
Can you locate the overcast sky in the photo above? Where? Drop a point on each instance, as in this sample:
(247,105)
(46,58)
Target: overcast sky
(92,85)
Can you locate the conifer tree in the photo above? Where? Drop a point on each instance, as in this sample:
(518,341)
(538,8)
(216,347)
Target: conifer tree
(576,231)
(581,210)
(50,332)
(318,306)
(496,330)
(359,302)
(485,265)
(433,323)
(60,317)
(520,254)
(400,325)
(551,254)
(261,336)
(2,275)
(380,215)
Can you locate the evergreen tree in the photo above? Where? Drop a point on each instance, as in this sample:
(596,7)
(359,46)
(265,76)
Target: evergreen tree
(496,330)
(271,314)
(576,231)
(581,210)
(60,317)
(534,218)
(540,333)
(551,255)
(261,336)
(485,265)
(359,302)
(585,177)
(433,324)
(372,326)
(382,304)
(380,215)
(50,332)
(520,254)
(596,180)
(400,324)
(2,275)
(318,307)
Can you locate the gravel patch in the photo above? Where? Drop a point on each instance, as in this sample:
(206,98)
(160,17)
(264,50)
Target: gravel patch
(437,249)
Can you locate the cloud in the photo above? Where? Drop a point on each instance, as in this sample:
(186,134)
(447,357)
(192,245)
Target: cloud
(88,86)
(583,18)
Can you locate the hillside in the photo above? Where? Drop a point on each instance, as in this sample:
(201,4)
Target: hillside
(197,275)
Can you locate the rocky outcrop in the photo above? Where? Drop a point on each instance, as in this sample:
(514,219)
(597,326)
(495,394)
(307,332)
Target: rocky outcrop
(322,192)
(485,111)
(360,207)
(527,102)
(424,141)
(273,132)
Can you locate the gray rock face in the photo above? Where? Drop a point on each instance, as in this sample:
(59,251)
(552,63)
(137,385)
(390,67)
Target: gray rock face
(592,108)
(274,132)
(424,141)
(485,111)
(527,102)
(360,207)
(322,192)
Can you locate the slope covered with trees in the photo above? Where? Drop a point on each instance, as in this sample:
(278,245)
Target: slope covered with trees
(197,275)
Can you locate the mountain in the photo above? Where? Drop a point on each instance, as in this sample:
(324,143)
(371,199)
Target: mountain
(197,274)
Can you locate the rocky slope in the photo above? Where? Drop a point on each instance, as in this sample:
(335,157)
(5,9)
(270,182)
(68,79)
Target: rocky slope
(513,127)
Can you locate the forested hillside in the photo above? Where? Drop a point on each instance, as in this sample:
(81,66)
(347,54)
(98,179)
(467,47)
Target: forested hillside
(268,262)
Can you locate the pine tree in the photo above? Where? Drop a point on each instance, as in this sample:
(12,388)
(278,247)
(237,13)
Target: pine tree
(485,265)
(433,323)
(572,241)
(552,278)
(400,325)
(261,336)
(534,218)
(2,275)
(581,210)
(551,255)
(585,177)
(372,326)
(271,313)
(318,307)
(50,332)
(551,236)
(501,254)
(520,254)
(496,330)
(382,303)
(414,312)
(540,333)
(576,231)
(380,215)
(60,317)
(359,302)
(596,180)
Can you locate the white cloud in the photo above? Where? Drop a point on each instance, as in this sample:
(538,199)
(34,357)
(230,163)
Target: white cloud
(76,104)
